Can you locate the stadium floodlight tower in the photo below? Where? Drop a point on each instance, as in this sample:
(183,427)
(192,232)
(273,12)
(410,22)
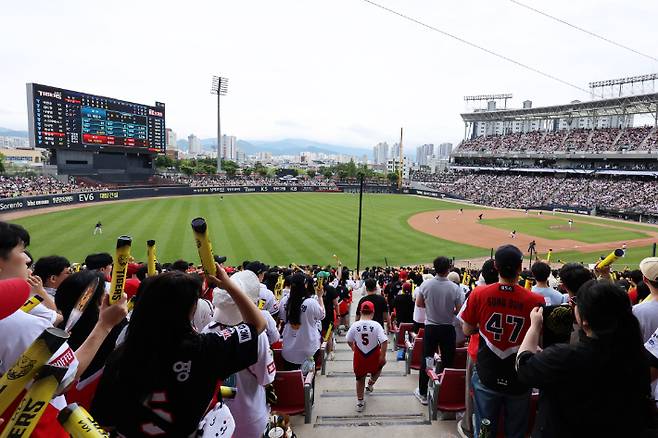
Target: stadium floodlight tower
(489,97)
(490,107)
(641,79)
(220,88)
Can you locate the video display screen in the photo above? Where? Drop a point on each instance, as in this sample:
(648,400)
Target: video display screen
(70,119)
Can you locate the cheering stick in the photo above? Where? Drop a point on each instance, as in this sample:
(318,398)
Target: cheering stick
(150,256)
(120,268)
(203,245)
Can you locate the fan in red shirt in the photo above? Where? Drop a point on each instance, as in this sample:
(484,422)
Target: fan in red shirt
(500,313)
(490,276)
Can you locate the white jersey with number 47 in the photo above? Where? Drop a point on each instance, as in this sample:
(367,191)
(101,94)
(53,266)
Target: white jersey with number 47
(366,335)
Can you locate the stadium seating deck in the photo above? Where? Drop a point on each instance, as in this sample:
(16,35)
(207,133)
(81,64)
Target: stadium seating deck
(577,140)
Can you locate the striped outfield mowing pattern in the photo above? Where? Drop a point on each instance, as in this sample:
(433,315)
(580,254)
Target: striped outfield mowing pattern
(275,228)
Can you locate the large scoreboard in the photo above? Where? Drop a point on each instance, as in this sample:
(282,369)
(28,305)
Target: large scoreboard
(64,119)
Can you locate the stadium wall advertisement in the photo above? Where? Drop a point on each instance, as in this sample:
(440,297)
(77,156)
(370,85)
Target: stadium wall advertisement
(31,202)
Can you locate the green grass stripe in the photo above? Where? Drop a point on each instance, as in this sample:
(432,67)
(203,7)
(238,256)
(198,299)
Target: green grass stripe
(299,245)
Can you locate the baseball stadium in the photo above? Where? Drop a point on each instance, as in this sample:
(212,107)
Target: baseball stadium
(397,229)
(505,288)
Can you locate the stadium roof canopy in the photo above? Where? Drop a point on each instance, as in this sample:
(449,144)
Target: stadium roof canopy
(638,104)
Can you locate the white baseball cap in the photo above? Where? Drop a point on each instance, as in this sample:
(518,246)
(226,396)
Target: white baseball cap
(227,311)
(649,268)
(454,277)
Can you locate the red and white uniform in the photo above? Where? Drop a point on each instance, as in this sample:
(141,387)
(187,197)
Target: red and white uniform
(502,313)
(367,337)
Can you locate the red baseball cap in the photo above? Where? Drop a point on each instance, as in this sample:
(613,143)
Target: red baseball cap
(367,307)
(13,294)
(132,269)
(131,286)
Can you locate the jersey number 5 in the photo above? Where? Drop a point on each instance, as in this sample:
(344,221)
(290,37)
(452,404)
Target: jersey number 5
(365,339)
(495,325)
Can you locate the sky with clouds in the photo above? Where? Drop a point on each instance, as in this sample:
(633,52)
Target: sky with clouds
(335,71)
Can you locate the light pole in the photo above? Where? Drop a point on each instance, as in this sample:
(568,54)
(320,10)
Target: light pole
(220,88)
(358,239)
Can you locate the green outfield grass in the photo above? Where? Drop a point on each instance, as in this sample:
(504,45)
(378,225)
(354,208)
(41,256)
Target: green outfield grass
(555,229)
(275,228)
(632,259)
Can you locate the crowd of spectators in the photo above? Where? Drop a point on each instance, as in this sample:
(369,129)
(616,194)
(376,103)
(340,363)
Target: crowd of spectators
(577,140)
(18,186)
(430,177)
(547,163)
(15,186)
(521,191)
(153,367)
(601,139)
(248,181)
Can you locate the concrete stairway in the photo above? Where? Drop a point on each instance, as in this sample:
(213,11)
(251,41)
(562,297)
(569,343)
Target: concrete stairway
(391,409)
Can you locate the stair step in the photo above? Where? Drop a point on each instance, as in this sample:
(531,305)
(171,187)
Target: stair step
(351,374)
(370,420)
(390,357)
(376,393)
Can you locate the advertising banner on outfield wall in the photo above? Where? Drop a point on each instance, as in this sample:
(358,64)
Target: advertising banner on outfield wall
(430,194)
(567,209)
(14,204)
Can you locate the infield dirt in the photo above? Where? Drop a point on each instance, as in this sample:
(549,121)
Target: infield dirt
(466,228)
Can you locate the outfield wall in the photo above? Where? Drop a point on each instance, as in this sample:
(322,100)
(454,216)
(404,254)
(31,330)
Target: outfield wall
(43,201)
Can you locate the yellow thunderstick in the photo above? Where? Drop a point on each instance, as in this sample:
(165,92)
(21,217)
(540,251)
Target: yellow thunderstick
(203,245)
(120,268)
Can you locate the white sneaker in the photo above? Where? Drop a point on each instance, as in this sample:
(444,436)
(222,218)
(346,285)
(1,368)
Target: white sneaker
(370,388)
(422,399)
(360,405)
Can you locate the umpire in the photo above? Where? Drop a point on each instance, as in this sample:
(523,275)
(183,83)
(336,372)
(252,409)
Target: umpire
(441,299)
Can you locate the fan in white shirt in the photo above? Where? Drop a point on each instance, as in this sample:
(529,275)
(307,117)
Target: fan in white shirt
(268,299)
(266,296)
(301,315)
(249,408)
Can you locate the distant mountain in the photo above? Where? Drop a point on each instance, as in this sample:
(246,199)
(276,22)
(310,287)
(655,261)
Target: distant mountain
(289,146)
(247,147)
(207,144)
(182,145)
(281,147)
(293,146)
(12,133)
